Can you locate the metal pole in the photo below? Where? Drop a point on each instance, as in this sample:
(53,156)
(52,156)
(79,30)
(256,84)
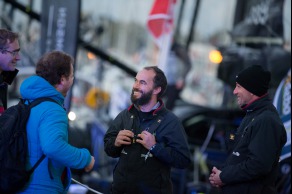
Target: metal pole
(191,34)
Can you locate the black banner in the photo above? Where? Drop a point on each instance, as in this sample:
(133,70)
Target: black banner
(263,19)
(59,31)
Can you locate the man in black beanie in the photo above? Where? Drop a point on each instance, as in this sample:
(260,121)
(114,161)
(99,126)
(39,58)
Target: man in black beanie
(256,145)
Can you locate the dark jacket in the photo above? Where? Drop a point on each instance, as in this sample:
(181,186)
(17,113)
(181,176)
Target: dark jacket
(6,77)
(252,165)
(135,174)
(3,95)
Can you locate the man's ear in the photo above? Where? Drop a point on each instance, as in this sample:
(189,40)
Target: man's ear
(157,90)
(60,84)
(62,79)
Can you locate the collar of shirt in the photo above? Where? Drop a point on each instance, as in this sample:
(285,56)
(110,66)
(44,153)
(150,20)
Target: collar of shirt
(153,108)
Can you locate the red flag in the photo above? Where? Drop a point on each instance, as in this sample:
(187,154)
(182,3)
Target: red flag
(160,24)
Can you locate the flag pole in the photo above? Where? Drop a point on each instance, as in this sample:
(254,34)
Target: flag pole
(164,51)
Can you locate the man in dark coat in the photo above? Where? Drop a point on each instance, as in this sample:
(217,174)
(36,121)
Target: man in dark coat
(147,138)
(9,55)
(255,148)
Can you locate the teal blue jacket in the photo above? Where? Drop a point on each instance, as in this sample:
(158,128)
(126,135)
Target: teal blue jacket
(47,131)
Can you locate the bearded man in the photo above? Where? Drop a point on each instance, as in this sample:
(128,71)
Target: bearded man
(148,139)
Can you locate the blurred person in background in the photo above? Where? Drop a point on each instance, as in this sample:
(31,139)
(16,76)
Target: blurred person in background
(47,127)
(148,139)
(177,67)
(9,55)
(255,147)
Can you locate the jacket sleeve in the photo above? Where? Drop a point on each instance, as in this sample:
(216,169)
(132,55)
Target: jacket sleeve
(172,147)
(53,134)
(266,142)
(111,135)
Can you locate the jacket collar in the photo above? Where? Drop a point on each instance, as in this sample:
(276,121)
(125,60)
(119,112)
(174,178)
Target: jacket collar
(257,104)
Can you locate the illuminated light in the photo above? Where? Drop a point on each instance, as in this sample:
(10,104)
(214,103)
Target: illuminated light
(72,116)
(215,56)
(91,55)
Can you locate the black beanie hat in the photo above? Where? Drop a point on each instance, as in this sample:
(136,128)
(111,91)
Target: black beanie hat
(254,79)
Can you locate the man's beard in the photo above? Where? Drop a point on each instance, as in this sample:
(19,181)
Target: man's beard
(143,100)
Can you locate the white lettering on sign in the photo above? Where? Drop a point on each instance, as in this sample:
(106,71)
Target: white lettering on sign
(61,28)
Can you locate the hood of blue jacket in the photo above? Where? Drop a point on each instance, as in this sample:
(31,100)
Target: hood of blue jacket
(36,87)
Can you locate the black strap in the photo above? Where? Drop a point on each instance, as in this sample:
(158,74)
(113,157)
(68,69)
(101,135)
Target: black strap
(155,125)
(150,129)
(132,117)
(37,164)
(40,100)
(33,104)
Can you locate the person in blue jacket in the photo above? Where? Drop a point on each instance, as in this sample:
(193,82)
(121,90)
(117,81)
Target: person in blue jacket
(148,139)
(47,127)
(255,147)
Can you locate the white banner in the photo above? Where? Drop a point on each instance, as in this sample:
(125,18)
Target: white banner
(282,101)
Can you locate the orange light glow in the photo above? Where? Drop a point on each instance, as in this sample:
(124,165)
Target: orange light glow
(91,55)
(215,56)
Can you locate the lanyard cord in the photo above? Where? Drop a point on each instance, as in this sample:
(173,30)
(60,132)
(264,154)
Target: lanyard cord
(90,189)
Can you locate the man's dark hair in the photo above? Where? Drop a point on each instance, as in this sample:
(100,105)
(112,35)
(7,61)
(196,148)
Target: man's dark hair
(7,37)
(159,79)
(53,65)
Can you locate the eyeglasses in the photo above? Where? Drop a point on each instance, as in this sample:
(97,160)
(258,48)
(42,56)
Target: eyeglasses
(13,53)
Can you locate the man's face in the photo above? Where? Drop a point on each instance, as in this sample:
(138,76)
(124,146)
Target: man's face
(243,96)
(142,92)
(9,56)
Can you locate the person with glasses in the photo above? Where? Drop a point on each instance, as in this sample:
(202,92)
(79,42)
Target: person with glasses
(9,55)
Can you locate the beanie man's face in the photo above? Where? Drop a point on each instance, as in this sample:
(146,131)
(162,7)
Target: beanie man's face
(243,96)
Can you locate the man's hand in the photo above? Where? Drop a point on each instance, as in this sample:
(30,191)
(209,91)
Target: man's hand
(90,166)
(214,178)
(147,139)
(124,138)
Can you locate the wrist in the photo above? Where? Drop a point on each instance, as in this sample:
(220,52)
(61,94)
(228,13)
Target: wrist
(152,147)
